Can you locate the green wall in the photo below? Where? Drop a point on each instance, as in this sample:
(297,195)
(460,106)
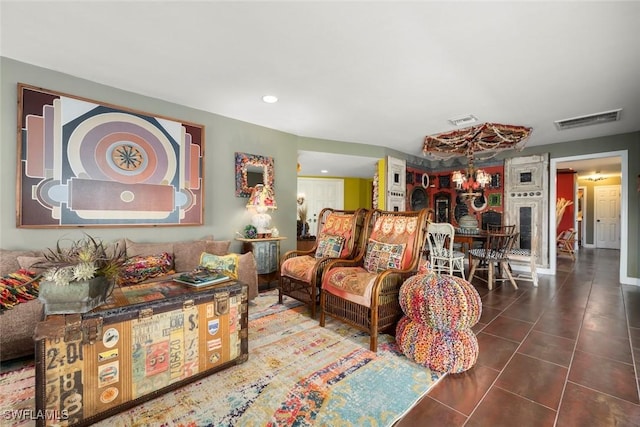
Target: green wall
(224,213)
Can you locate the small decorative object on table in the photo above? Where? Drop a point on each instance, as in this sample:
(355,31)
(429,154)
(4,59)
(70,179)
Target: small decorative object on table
(80,277)
(250,232)
(202,276)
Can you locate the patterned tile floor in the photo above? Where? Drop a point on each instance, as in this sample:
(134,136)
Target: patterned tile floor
(564,354)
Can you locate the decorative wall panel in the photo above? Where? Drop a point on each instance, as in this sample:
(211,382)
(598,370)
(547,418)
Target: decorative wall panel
(526,201)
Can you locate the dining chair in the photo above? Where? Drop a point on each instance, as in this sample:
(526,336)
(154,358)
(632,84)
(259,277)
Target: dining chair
(526,257)
(566,242)
(442,257)
(501,228)
(363,292)
(338,236)
(494,253)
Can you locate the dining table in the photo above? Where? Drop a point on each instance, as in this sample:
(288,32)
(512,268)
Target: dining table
(467,238)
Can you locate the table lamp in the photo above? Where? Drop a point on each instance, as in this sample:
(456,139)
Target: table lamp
(261,200)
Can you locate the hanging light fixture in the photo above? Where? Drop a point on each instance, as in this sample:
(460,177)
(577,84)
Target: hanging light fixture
(489,139)
(468,184)
(486,138)
(595,177)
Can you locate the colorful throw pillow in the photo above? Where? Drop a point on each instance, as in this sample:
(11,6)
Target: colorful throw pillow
(383,256)
(145,249)
(226,264)
(330,246)
(340,225)
(217,247)
(140,268)
(17,287)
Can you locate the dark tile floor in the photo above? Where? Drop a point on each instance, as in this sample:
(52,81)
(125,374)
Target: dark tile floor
(566,353)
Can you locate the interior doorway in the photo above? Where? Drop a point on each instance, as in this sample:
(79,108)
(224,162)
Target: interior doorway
(320,193)
(624,203)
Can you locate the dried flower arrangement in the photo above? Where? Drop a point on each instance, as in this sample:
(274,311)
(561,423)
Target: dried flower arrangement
(82,259)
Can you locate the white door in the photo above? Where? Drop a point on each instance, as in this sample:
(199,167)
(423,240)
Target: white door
(320,193)
(607,216)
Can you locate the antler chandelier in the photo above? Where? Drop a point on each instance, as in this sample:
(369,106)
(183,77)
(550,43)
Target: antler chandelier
(487,139)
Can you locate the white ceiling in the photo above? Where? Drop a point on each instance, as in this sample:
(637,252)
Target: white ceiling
(379,73)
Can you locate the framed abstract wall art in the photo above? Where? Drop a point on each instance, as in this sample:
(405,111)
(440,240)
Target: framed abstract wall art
(85,163)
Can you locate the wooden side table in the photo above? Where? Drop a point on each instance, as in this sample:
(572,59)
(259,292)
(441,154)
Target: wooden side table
(267,254)
(305,244)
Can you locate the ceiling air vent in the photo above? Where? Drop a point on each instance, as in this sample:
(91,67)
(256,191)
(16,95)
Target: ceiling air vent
(464,120)
(590,119)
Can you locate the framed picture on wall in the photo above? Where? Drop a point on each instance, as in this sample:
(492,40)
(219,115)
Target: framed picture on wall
(495,199)
(87,163)
(495,181)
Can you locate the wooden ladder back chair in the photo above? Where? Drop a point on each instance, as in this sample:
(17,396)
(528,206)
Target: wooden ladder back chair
(501,228)
(363,292)
(527,257)
(494,253)
(339,234)
(442,257)
(566,242)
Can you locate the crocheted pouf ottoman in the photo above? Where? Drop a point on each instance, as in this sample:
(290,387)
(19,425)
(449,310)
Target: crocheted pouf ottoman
(436,329)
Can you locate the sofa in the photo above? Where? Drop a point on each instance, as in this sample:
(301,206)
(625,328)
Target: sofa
(17,324)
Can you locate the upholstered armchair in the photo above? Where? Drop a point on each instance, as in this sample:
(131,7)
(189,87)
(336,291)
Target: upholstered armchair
(363,292)
(339,234)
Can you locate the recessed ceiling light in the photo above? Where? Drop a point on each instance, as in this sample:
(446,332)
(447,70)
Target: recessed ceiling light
(270,99)
(324,171)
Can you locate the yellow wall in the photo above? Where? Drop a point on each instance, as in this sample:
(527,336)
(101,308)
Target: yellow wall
(382,176)
(357,193)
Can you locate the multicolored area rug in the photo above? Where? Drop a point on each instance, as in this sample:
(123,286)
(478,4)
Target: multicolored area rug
(297,374)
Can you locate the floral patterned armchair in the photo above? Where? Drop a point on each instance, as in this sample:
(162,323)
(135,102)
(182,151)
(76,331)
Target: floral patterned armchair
(363,292)
(339,234)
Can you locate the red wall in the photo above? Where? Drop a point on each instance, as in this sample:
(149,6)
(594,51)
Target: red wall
(565,188)
(437,184)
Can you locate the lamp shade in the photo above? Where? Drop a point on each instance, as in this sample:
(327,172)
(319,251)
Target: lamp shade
(262,196)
